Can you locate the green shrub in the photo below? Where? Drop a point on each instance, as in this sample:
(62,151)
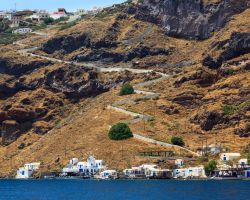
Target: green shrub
(48,20)
(68,25)
(120,131)
(228,110)
(210,167)
(230,72)
(126,89)
(177,141)
(248,158)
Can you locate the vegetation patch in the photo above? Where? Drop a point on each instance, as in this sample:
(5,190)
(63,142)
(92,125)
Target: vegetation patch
(120,131)
(8,38)
(228,109)
(68,25)
(210,167)
(232,109)
(126,89)
(177,141)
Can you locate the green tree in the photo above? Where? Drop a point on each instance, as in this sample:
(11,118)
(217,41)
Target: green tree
(4,26)
(126,89)
(48,20)
(248,158)
(177,141)
(210,167)
(120,131)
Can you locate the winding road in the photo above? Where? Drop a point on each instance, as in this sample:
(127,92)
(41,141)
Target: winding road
(115,106)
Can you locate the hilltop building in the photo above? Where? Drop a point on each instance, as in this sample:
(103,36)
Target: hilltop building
(229,156)
(58,14)
(39,15)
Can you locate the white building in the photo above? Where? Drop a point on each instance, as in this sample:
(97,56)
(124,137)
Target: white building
(27,171)
(39,15)
(23,30)
(229,156)
(5,15)
(243,162)
(147,171)
(107,174)
(59,14)
(89,168)
(191,172)
(179,163)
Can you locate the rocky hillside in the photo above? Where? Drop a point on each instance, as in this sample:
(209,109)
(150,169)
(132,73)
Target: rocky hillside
(54,99)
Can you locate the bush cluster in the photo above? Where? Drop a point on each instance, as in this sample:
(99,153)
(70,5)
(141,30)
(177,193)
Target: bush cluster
(126,89)
(177,141)
(120,131)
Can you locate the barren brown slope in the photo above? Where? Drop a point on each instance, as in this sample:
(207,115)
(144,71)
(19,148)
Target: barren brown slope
(191,102)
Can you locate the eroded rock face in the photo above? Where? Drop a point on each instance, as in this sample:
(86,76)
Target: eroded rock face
(190,19)
(189,98)
(19,69)
(208,120)
(77,82)
(201,77)
(105,56)
(237,45)
(67,43)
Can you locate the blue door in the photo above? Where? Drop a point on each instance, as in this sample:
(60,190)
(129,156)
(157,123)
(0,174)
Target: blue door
(248,174)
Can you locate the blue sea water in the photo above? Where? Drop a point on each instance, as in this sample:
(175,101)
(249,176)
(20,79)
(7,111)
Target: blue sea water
(123,190)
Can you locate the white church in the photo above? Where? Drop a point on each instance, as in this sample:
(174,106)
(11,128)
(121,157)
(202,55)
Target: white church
(89,168)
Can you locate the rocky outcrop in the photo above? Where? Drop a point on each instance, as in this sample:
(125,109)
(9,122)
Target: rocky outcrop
(77,82)
(188,98)
(237,45)
(191,19)
(201,77)
(208,120)
(67,43)
(105,56)
(170,110)
(21,115)
(19,69)
(243,132)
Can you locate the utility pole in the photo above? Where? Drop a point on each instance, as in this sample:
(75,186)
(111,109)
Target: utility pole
(202,147)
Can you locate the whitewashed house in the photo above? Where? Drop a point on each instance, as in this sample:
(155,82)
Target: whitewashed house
(27,171)
(229,156)
(89,168)
(22,31)
(58,14)
(147,171)
(107,174)
(243,162)
(179,163)
(39,15)
(191,172)
(134,172)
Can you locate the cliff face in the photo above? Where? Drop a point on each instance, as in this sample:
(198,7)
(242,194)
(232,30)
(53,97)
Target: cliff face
(190,19)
